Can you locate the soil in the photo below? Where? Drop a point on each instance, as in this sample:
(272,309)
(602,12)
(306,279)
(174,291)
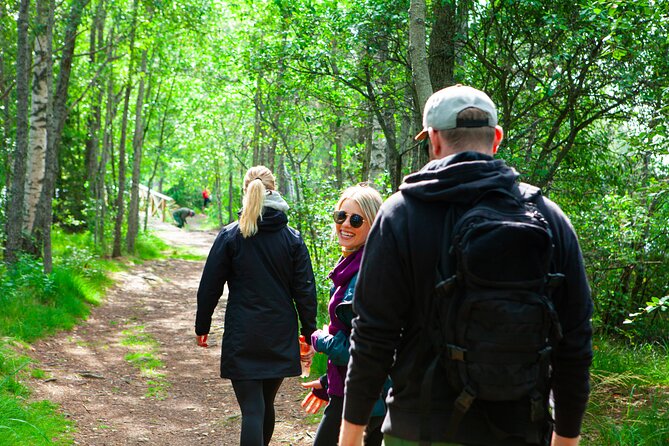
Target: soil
(108,398)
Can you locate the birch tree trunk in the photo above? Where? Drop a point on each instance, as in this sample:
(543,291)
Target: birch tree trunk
(418,54)
(15,206)
(45,210)
(39,122)
(137,140)
(44,218)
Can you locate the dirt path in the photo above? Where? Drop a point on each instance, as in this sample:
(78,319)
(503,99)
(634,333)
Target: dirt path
(109,399)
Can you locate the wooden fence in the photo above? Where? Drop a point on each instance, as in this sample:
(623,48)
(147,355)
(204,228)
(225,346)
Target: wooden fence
(156,201)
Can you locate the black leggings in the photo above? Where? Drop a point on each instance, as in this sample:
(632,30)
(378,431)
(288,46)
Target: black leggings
(256,400)
(328,430)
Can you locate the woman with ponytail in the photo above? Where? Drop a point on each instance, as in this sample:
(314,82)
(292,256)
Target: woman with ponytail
(268,271)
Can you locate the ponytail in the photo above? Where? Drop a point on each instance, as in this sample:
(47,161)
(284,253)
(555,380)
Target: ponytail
(257,181)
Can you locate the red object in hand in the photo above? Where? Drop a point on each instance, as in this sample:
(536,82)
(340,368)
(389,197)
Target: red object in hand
(312,403)
(202,341)
(306,353)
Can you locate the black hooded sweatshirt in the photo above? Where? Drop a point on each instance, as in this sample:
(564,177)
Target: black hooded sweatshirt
(271,284)
(398,273)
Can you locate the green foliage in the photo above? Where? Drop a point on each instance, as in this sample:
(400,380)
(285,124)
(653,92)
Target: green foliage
(629,402)
(148,246)
(23,422)
(33,304)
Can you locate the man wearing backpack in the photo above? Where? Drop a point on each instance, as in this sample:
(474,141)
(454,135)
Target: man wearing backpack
(470,390)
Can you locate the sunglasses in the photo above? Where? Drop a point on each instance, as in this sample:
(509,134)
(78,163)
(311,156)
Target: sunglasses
(355,221)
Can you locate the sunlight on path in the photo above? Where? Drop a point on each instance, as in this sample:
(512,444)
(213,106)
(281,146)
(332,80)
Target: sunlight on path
(189,237)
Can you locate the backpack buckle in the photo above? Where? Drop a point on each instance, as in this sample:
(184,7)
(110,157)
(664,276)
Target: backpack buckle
(536,407)
(464,401)
(445,287)
(545,353)
(554,280)
(456,353)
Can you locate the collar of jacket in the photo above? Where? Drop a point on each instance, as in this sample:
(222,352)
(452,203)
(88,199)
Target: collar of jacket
(459,179)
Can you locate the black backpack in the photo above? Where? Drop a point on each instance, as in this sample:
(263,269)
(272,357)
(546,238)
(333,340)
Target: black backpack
(491,321)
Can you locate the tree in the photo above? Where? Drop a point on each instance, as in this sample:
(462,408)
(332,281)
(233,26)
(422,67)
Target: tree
(120,195)
(133,209)
(15,207)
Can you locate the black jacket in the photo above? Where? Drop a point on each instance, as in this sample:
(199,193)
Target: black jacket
(398,272)
(269,277)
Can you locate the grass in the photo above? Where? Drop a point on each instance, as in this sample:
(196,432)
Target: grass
(21,421)
(34,305)
(151,247)
(629,403)
(143,350)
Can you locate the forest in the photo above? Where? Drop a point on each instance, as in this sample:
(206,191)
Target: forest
(102,99)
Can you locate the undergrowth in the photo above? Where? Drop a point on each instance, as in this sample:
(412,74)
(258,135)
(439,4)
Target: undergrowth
(34,305)
(629,403)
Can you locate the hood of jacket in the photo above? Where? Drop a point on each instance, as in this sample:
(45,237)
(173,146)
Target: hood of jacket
(273,217)
(272,220)
(460,178)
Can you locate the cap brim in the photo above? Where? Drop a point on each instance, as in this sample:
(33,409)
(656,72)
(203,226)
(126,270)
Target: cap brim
(421,136)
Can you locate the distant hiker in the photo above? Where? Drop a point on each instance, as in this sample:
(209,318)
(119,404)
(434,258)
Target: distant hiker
(206,198)
(180,216)
(271,284)
(353,218)
(401,289)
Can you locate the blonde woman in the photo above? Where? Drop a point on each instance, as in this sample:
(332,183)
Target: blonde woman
(353,217)
(271,284)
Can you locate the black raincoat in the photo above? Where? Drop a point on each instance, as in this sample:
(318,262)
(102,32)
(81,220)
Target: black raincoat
(271,284)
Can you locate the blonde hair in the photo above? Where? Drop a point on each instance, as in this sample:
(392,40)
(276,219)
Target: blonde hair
(366,197)
(257,181)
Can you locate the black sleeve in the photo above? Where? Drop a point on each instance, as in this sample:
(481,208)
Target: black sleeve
(303,290)
(216,272)
(382,303)
(573,355)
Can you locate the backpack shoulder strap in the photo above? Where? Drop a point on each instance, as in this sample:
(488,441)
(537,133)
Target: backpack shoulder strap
(529,192)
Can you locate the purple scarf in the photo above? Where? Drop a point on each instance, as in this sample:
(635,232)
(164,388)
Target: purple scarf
(341,275)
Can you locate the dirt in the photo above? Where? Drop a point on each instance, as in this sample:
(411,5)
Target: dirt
(108,398)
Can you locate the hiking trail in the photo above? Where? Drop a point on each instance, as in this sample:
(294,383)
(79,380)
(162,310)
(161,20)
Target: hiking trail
(108,398)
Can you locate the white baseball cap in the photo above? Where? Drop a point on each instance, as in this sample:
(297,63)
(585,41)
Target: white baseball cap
(442,109)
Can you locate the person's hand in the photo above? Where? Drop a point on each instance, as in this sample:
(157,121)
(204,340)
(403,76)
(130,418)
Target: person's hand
(307,355)
(312,403)
(312,384)
(202,341)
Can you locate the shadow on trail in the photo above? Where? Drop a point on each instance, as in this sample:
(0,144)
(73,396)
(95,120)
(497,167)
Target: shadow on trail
(108,399)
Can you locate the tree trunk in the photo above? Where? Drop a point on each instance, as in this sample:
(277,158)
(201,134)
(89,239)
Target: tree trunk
(95,118)
(16,199)
(218,192)
(442,44)
(45,217)
(159,150)
(40,120)
(6,124)
(120,206)
(231,189)
(133,210)
(105,155)
(418,53)
(255,142)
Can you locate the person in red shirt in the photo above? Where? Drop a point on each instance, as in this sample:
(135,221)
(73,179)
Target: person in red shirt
(206,198)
